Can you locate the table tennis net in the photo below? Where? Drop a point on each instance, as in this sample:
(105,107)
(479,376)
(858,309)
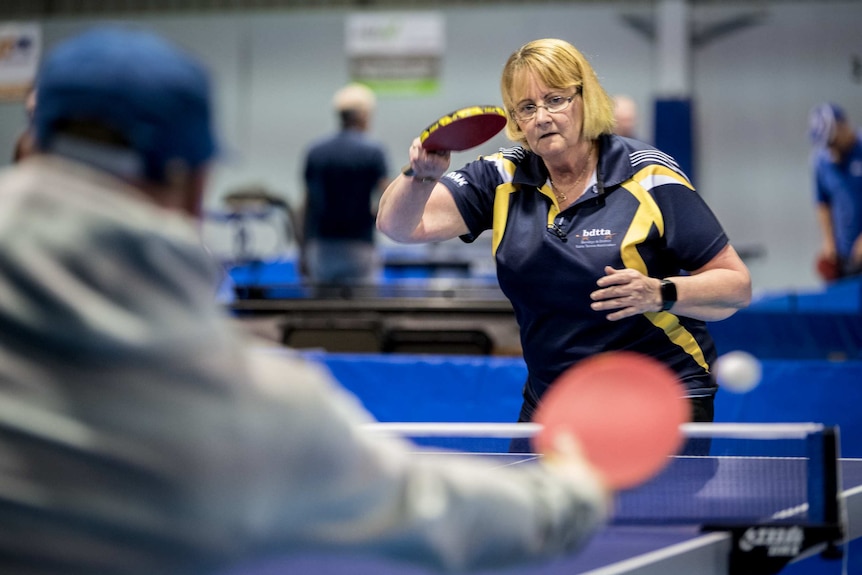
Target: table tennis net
(726,474)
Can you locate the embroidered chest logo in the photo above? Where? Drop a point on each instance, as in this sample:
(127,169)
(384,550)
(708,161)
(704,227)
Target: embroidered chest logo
(595,238)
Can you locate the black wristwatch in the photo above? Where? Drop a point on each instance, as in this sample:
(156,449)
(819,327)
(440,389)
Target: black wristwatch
(668,294)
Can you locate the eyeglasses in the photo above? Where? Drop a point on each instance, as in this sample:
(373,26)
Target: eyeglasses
(553,104)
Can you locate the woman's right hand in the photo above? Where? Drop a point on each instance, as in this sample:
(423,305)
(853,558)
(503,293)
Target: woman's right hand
(427,165)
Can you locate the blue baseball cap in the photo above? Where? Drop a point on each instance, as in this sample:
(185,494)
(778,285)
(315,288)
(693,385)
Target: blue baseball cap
(153,94)
(822,121)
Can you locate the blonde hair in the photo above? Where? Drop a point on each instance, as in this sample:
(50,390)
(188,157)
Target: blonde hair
(559,65)
(354,97)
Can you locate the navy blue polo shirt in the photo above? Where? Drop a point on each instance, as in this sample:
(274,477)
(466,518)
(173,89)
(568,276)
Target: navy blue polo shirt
(641,213)
(341,175)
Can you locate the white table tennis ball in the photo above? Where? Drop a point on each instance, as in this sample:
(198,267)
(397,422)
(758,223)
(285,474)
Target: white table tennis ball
(738,371)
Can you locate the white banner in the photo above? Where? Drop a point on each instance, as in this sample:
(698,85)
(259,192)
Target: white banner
(396,51)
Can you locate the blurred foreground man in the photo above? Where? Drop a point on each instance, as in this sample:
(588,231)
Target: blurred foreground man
(139,435)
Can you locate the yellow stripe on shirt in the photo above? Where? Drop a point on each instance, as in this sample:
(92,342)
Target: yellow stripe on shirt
(648,215)
(501,200)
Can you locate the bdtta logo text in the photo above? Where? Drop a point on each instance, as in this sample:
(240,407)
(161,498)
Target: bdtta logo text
(594,238)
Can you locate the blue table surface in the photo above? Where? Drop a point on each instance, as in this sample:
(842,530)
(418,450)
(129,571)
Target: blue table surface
(610,551)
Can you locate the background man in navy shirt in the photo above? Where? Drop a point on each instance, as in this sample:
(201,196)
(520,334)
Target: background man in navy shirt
(344,174)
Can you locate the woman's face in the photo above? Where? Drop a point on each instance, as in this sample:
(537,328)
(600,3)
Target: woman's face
(547,133)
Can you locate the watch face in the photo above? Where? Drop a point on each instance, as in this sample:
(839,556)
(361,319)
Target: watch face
(668,294)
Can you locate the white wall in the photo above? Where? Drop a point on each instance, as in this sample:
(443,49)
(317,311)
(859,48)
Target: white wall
(276,71)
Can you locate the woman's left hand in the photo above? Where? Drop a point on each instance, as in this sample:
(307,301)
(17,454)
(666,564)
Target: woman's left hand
(625,293)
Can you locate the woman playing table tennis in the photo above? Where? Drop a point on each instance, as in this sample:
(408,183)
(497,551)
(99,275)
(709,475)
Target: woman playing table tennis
(601,242)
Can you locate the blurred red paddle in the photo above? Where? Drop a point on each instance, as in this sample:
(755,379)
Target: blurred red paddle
(623,408)
(462,129)
(828,269)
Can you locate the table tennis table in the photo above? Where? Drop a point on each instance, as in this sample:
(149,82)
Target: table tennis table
(636,545)
(441,316)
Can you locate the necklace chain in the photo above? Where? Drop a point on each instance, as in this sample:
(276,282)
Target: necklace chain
(561,196)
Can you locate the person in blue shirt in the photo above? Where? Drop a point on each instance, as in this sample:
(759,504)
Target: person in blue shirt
(344,175)
(601,242)
(838,191)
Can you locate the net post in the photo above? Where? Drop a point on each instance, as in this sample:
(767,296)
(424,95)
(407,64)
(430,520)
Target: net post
(824,485)
(833,515)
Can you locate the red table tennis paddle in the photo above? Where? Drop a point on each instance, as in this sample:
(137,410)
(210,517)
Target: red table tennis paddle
(828,269)
(462,129)
(624,409)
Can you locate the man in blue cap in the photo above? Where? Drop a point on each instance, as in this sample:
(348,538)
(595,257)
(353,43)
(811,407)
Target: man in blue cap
(139,433)
(838,191)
